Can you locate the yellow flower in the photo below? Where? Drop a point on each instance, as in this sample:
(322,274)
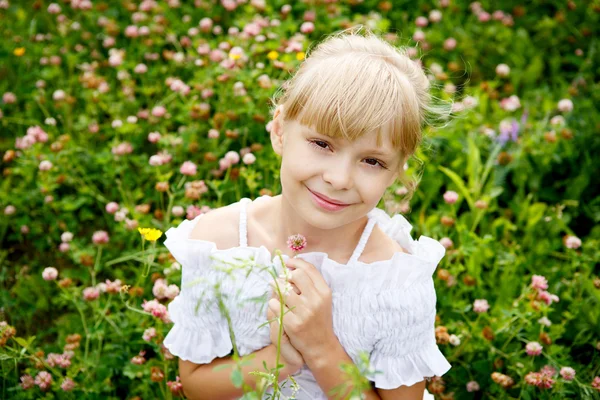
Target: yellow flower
(150,234)
(273,55)
(235,56)
(19,51)
(300,56)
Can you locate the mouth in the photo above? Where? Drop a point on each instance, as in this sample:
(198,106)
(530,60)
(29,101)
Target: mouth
(328,199)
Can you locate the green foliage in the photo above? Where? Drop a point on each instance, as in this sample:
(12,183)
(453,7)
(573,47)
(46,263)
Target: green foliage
(523,205)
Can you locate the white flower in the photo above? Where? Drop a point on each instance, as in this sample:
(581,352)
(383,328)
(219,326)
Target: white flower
(565,105)
(454,340)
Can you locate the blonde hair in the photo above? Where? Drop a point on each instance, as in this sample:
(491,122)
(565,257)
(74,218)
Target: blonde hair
(352,84)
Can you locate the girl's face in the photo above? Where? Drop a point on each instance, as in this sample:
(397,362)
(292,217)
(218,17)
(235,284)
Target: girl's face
(354,174)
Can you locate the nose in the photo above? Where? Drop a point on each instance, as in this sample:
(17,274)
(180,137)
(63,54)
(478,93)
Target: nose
(339,174)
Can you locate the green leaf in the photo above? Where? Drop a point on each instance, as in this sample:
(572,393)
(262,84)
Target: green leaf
(22,342)
(221,367)
(237,378)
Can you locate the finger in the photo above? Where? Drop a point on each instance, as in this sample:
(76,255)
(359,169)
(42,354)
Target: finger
(319,282)
(288,316)
(305,284)
(291,298)
(274,288)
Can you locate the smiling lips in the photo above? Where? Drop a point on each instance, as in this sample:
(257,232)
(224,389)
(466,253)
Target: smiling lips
(330,200)
(327,203)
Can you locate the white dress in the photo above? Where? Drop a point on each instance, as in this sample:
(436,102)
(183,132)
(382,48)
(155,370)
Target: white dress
(386,308)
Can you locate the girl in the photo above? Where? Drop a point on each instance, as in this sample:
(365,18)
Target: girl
(344,128)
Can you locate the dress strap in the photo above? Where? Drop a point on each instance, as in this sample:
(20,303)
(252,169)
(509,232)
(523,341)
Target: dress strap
(243,230)
(364,238)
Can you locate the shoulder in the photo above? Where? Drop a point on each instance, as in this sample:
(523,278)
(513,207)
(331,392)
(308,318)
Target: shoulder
(220,226)
(380,247)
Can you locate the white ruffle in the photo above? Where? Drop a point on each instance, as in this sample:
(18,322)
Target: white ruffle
(409,369)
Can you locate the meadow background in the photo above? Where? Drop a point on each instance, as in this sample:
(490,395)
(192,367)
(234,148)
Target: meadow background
(119,115)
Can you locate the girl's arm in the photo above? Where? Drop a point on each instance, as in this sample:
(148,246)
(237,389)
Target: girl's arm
(328,374)
(201,381)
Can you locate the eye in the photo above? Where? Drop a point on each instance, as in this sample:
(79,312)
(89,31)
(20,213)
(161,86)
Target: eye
(373,162)
(319,144)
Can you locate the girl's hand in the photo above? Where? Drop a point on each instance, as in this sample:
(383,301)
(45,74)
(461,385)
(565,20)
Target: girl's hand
(308,317)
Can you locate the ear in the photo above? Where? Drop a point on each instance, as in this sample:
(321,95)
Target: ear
(277,131)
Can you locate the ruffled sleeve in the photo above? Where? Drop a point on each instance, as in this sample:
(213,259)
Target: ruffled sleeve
(200,332)
(405,351)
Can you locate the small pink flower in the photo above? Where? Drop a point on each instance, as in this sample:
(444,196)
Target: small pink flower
(131,31)
(66,237)
(572,242)
(156,309)
(58,360)
(177,211)
(418,36)
(483,16)
(59,95)
(188,168)
(249,158)
(176,387)
(213,134)
(10,210)
(100,237)
(140,69)
(450,44)
(206,25)
(421,22)
(502,70)
(446,242)
(547,297)
(481,306)
(153,137)
(43,379)
(472,386)
(232,157)
(296,242)
(596,383)
(224,164)
(45,165)
(54,8)
(159,111)
(139,359)
(149,334)
(91,293)
(50,274)
(533,349)
(113,287)
(9,98)
(565,105)
(539,282)
(510,103)
(567,373)
(27,381)
(112,207)
(307,27)
(548,370)
(435,16)
(498,15)
(67,385)
(450,197)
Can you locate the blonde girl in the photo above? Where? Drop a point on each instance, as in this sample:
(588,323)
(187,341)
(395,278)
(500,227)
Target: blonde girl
(344,126)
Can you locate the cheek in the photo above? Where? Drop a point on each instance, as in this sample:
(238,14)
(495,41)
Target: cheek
(372,187)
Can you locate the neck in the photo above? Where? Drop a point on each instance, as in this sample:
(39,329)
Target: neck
(288,222)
